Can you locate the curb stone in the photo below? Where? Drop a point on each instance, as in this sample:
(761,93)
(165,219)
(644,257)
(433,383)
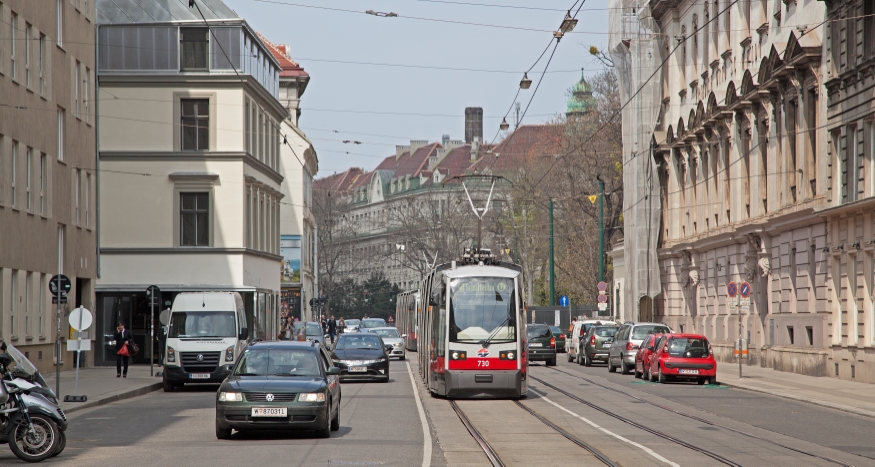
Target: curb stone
(843,408)
(115,397)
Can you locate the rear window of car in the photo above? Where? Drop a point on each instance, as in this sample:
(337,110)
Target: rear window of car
(538,331)
(605,331)
(372,323)
(555,329)
(640,332)
(688,347)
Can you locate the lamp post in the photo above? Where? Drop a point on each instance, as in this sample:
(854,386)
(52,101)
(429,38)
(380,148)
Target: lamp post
(552,269)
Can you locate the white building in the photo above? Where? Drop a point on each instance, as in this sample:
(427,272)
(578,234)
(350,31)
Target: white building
(188,135)
(298,165)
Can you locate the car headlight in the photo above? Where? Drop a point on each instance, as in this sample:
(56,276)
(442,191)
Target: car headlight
(230,397)
(171,354)
(311,397)
(229,354)
(380,360)
(397,344)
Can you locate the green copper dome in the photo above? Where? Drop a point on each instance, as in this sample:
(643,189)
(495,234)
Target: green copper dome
(581,100)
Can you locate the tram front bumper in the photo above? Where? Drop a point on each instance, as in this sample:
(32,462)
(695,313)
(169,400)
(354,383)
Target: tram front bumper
(483,384)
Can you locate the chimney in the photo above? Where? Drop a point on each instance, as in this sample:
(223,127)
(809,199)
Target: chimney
(475,148)
(473,123)
(445,140)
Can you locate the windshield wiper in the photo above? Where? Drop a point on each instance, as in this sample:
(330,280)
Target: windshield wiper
(248,374)
(485,343)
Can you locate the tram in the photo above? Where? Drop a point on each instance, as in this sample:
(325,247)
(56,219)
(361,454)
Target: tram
(406,309)
(473,329)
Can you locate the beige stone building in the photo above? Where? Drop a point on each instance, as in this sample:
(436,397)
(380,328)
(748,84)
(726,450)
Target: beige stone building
(190,152)
(47,169)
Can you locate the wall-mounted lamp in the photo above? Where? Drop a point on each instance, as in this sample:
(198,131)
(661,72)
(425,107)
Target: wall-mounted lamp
(719,266)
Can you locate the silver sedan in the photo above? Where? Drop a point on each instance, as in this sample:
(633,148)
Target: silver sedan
(394,342)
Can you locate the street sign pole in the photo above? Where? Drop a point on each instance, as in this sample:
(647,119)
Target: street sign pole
(58,336)
(153,292)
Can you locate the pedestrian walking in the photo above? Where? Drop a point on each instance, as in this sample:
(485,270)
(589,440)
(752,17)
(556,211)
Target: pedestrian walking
(341,326)
(571,326)
(288,328)
(123,353)
(332,328)
(324,325)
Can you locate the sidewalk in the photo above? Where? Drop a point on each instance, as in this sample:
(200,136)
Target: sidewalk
(102,387)
(848,396)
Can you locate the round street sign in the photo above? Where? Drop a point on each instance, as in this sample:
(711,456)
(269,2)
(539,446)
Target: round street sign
(154,294)
(164,317)
(563,300)
(745,290)
(81,314)
(732,289)
(603,298)
(602,286)
(65,283)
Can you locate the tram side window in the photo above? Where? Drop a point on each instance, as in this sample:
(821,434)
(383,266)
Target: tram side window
(439,317)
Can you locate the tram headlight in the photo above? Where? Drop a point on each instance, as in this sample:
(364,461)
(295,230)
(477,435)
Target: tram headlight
(507,355)
(458,355)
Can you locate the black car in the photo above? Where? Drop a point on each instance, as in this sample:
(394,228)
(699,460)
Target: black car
(280,385)
(542,344)
(361,356)
(369,323)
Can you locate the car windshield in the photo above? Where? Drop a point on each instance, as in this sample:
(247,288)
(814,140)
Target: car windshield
(605,331)
(202,324)
(482,308)
(357,341)
(387,332)
(353,322)
(312,329)
(693,347)
(640,332)
(372,323)
(278,362)
(538,331)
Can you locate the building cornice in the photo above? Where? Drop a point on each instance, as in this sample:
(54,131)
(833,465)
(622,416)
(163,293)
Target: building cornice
(865,205)
(190,250)
(174,156)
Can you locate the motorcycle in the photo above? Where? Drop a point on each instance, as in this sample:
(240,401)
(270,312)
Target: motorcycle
(31,421)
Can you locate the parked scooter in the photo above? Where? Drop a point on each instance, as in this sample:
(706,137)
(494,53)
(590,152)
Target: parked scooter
(31,421)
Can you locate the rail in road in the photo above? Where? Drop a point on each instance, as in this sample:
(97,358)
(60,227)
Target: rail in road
(676,412)
(493,456)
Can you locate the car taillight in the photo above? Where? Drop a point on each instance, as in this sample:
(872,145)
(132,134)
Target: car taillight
(552,342)
(592,340)
(631,346)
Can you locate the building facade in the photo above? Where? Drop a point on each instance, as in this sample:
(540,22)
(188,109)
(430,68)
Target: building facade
(850,215)
(48,179)
(189,122)
(744,172)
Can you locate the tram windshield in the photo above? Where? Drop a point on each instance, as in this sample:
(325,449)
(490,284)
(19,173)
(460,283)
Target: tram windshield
(482,308)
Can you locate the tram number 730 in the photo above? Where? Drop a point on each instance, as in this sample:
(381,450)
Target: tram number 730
(482,363)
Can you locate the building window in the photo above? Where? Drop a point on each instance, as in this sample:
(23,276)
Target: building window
(247,127)
(61,135)
(14,200)
(27,278)
(194,213)
(13,292)
(77,82)
(87,200)
(76,190)
(42,184)
(42,302)
(59,22)
(29,173)
(195,124)
(42,64)
(13,25)
(28,33)
(85,83)
(194,50)
(62,241)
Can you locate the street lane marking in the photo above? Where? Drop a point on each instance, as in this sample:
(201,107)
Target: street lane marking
(591,423)
(426,433)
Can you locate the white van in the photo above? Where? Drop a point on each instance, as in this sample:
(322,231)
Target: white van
(207,332)
(572,342)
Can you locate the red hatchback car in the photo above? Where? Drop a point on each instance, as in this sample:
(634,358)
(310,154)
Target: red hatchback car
(642,358)
(683,357)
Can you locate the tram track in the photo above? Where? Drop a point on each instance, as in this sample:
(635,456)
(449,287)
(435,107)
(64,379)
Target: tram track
(494,457)
(694,417)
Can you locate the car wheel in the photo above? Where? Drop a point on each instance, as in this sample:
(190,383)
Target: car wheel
(637,373)
(325,432)
(335,422)
(611,368)
(222,433)
(579,359)
(402,358)
(168,386)
(551,362)
(646,374)
(623,368)
(661,376)
(586,360)
(700,381)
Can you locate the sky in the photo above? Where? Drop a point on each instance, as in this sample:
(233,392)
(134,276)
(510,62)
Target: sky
(382,106)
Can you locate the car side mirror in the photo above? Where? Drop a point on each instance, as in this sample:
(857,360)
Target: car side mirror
(244,334)
(404,336)
(333,371)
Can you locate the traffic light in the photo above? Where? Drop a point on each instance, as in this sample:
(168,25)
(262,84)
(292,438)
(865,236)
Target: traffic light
(311,302)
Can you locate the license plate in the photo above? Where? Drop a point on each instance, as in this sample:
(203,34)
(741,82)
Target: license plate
(606,344)
(689,372)
(535,344)
(358,369)
(269,411)
(199,376)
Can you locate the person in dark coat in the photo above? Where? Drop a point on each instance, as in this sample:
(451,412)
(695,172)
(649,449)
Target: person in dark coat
(332,328)
(122,336)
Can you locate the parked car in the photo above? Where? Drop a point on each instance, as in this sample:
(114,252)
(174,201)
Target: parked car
(642,358)
(542,344)
(361,356)
(280,386)
(626,343)
(369,323)
(683,357)
(559,334)
(596,345)
(394,342)
(572,342)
